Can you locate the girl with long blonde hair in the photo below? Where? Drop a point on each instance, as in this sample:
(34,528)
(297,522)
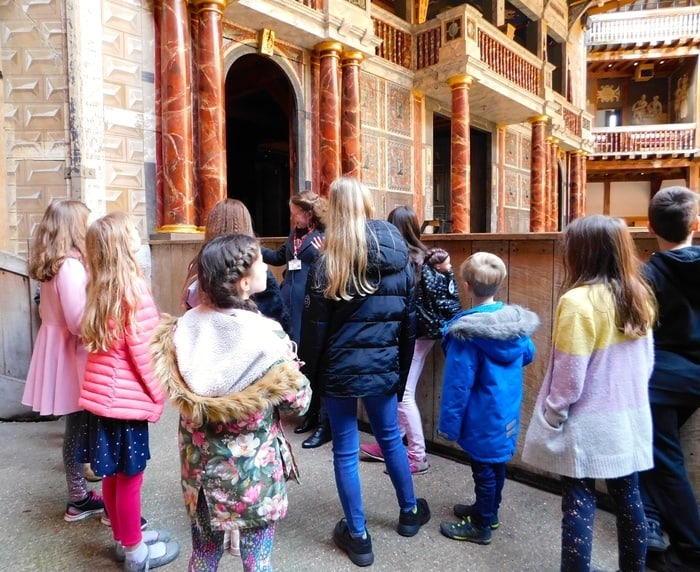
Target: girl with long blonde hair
(357,341)
(57,261)
(119,391)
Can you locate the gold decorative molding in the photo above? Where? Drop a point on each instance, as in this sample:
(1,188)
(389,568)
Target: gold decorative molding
(462,79)
(266,42)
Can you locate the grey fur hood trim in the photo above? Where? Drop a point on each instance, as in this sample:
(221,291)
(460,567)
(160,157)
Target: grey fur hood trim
(507,323)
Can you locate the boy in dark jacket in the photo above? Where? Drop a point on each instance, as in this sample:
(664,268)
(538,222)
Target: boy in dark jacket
(674,387)
(486,348)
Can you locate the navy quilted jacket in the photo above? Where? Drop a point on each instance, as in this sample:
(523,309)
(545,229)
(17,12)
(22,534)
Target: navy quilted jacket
(364,346)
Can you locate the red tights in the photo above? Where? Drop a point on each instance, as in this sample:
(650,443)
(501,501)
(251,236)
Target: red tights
(122,498)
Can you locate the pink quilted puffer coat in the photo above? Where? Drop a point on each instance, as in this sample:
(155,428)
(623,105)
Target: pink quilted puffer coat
(119,383)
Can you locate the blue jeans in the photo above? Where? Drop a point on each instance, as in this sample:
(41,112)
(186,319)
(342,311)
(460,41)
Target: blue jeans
(489,479)
(382,411)
(578,512)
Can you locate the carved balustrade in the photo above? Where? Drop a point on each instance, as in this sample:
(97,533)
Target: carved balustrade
(650,27)
(671,139)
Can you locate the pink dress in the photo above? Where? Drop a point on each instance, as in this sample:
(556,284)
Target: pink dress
(58,360)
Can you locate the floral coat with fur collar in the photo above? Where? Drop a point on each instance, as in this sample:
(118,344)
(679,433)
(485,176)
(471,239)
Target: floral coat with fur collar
(232,447)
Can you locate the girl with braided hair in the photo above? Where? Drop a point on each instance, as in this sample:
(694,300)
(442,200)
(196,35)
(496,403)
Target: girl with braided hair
(230,370)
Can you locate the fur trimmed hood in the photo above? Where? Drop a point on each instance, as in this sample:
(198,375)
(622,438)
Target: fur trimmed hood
(498,329)
(278,382)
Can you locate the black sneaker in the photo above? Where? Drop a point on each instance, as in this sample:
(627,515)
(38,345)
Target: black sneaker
(466,530)
(655,538)
(467,510)
(91,504)
(410,522)
(359,550)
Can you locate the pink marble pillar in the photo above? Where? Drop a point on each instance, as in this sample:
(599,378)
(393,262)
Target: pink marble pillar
(157,16)
(501,177)
(176,108)
(538,174)
(350,128)
(315,127)
(574,186)
(460,149)
(582,182)
(211,109)
(418,173)
(328,114)
(548,185)
(554,186)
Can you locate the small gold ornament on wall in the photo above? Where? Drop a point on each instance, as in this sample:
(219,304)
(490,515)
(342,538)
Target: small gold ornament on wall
(266,42)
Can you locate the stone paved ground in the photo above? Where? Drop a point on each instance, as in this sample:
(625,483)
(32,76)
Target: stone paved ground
(34,536)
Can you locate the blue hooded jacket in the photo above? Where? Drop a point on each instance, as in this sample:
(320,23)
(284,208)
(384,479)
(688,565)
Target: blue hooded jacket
(486,348)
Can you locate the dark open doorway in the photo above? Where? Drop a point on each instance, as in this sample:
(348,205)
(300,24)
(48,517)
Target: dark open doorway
(480,179)
(260,108)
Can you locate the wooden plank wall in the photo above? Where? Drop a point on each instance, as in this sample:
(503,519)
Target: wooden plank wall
(535,275)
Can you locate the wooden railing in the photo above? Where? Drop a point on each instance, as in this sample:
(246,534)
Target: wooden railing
(506,62)
(668,139)
(428,42)
(650,26)
(396,45)
(572,121)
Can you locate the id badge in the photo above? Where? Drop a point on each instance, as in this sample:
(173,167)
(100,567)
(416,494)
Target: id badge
(294,264)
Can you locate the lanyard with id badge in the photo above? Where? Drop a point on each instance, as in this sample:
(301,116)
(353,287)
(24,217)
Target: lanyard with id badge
(295,263)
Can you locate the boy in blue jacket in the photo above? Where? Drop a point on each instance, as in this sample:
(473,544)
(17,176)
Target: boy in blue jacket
(485,348)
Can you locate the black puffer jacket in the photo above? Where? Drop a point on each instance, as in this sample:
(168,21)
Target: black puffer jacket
(364,346)
(437,301)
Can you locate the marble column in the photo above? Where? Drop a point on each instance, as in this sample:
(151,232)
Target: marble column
(350,129)
(418,98)
(574,186)
(328,114)
(583,158)
(315,127)
(211,108)
(176,110)
(501,178)
(460,150)
(538,174)
(554,186)
(157,20)
(548,185)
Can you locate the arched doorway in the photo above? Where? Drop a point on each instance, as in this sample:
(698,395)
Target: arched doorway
(260,141)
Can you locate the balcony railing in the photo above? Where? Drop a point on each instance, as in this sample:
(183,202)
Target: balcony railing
(428,42)
(396,45)
(675,139)
(507,62)
(651,26)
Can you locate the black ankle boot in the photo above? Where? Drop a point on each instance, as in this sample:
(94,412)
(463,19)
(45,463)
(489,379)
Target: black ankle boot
(308,424)
(320,436)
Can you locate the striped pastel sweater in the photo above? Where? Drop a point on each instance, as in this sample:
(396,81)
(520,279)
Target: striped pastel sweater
(592,417)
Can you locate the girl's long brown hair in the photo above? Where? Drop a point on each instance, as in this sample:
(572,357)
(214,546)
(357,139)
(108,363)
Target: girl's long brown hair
(61,230)
(599,249)
(229,216)
(113,291)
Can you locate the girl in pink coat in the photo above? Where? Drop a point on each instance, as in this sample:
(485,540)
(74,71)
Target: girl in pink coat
(119,392)
(57,261)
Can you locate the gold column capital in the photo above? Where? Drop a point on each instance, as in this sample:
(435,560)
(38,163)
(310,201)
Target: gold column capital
(214,5)
(538,119)
(462,79)
(330,46)
(352,57)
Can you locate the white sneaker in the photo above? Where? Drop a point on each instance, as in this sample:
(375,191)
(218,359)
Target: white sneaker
(232,539)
